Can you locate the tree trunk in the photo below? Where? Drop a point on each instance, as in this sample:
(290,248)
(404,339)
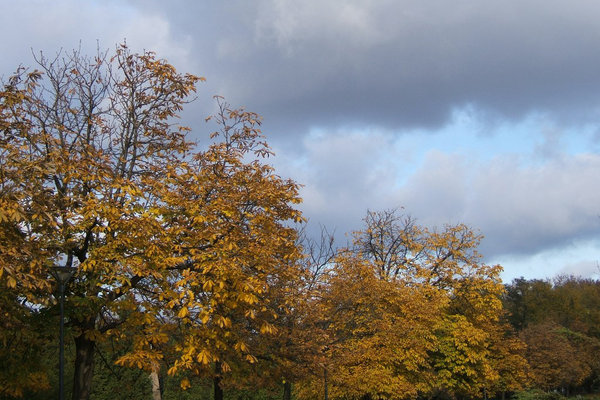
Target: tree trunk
(84,367)
(326,391)
(218,391)
(287,391)
(156,387)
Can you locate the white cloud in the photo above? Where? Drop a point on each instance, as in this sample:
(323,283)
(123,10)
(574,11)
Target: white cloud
(520,207)
(344,173)
(585,269)
(523,200)
(67,24)
(579,258)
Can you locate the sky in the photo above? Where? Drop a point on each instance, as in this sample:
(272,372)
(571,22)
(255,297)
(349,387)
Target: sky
(483,113)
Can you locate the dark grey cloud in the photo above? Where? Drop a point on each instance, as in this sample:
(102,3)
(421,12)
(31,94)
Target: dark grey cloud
(394,63)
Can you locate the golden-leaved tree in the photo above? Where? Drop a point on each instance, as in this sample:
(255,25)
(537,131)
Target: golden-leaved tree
(176,250)
(413,312)
(380,333)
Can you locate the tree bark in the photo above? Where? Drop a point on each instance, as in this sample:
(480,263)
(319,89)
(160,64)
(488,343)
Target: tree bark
(84,367)
(287,390)
(218,390)
(156,388)
(326,389)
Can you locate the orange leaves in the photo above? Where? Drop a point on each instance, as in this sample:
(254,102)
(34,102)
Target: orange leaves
(250,358)
(207,285)
(248,298)
(11,282)
(183,312)
(205,318)
(267,328)
(461,355)
(185,384)
(223,322)
(204,357)
(380,331)
(241,347)
(141,359)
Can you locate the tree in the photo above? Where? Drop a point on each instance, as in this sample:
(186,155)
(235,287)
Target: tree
(19,265)
(530,302)
(176,250)
(380,333)
(412,312)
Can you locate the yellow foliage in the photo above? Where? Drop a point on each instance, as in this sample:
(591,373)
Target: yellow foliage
(184,312)
(411,312)
(185,384)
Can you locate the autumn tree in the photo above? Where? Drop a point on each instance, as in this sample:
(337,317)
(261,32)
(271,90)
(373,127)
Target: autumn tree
(19,339)
(413,311)
(445,260)
(176,250)
(379,331)
(295,346)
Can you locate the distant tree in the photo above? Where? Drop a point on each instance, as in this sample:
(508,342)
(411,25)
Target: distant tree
(412,312)
(578,304)
(553,359)
(22,340)
(530,301)
(560,322)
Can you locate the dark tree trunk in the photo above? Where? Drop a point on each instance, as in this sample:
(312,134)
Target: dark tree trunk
(84,367)
(287,391)
(326,389)
(218,391)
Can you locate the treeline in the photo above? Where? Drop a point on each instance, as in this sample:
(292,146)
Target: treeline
(559,321)
(192,277)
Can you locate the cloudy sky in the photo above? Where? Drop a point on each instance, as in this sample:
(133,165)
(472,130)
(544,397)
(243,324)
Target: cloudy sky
(486,113)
